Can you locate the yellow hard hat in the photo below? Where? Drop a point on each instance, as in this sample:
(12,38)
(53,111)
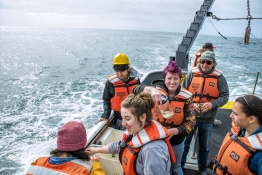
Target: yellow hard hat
(120,59)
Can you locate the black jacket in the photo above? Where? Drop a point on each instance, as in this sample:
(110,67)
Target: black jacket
(109,92)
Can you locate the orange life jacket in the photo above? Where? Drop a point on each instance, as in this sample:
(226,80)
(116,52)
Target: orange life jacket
(204,89)
(198,54)
(130,146)
(177,104)
(73,167)
(122,90)
(235,152)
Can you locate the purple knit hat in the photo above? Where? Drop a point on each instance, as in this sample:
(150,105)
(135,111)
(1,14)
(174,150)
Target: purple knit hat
(71,137)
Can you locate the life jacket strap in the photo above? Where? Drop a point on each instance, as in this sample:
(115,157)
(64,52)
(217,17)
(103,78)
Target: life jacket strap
(219,166)
(176,99)
(234,138)
(206,76)
(168,124)
(208,97)
(125,85)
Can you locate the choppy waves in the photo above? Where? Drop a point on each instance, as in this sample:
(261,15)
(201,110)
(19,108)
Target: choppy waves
(51,76)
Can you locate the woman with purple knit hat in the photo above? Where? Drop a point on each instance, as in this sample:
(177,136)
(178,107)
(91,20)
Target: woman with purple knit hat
(70,156)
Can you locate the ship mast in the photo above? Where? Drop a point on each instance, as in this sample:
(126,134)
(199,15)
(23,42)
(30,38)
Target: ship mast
(182,53)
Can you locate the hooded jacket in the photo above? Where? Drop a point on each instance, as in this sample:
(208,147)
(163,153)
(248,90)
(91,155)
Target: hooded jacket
(222,99)
(109,93)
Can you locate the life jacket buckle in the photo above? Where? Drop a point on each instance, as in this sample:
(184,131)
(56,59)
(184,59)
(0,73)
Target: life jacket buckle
(122,144)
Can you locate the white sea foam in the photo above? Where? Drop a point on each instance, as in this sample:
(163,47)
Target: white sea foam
(52,76)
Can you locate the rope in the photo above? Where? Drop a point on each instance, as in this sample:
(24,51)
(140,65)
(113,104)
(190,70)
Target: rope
(222,35)
(256,38)
(248,28)
(226,37)
(217,30)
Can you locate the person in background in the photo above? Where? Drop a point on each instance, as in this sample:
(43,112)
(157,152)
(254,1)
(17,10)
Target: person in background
(205,47)
(241,150)
(145,148)
(70,156)
(182,120)
(117,88)
(210,91)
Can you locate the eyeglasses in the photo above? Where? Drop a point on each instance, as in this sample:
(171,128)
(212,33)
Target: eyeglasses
(248,106)
(206,61)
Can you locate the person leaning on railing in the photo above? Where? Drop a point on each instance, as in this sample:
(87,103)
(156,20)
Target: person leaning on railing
(241,150)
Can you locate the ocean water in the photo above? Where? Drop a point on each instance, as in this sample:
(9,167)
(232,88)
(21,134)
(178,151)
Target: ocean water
(51,76)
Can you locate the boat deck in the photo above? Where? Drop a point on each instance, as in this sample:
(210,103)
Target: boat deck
(216,138)
(111,165)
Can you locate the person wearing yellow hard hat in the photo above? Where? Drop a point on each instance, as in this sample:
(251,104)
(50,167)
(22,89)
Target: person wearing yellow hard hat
(118,86)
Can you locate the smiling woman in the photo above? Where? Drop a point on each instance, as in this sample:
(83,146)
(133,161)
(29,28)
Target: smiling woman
(181,123)
(143,142)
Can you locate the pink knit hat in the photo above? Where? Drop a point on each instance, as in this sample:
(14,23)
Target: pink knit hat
(71,137)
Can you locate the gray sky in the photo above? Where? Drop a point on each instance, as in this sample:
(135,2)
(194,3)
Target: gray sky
(149,15)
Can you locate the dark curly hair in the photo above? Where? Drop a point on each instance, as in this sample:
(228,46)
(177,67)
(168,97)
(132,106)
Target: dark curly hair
(251,105)
(80,154)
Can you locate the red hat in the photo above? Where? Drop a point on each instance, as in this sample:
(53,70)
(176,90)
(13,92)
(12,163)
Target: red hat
(71,137)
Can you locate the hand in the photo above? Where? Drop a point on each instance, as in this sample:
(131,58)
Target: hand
(156,95)
(102,119)
(206,106)
(197,107)
(91,150)
(172,131)
(95,158)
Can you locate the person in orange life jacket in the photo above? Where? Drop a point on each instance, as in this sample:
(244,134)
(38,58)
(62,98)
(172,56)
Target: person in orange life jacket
(144,148)
(210,91)
(117,87)
(241,150)
(180,99)
(70,156)
(205,47)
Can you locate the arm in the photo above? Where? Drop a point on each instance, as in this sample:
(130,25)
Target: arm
(187,80)
(107,95)
(156,94)
(189,120)
(111,148)
(155,158)
(96,167)
(255,163)
(93,150)
(223,91)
